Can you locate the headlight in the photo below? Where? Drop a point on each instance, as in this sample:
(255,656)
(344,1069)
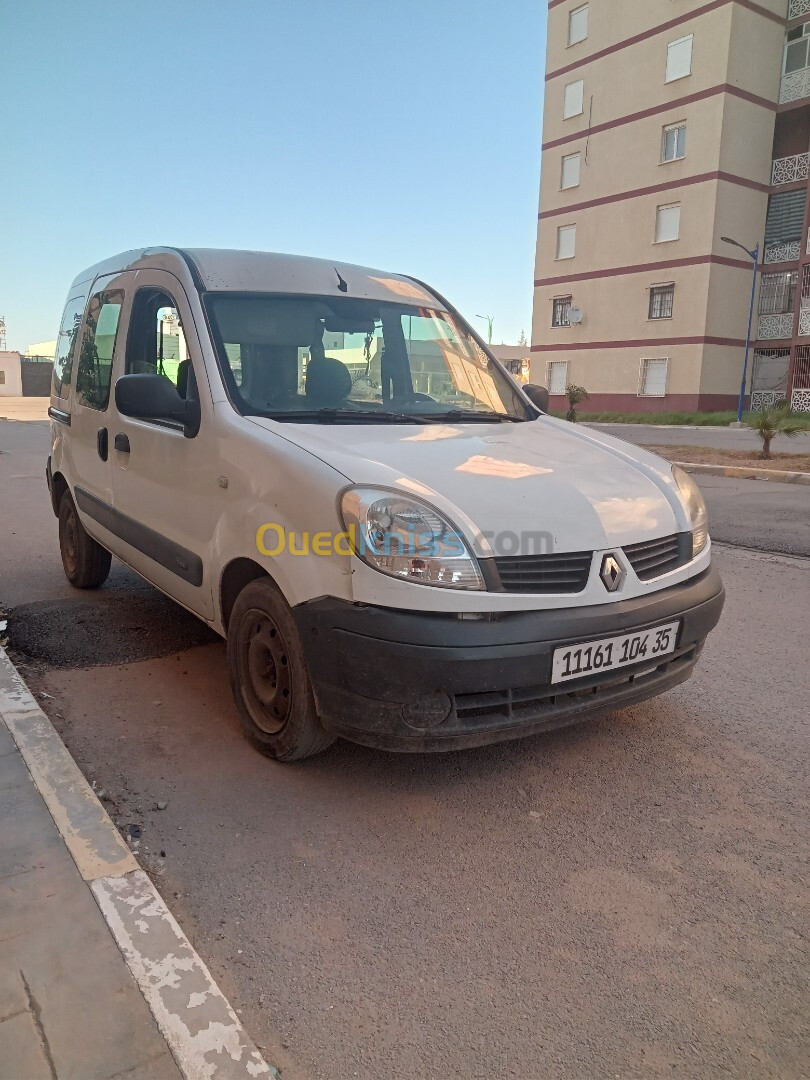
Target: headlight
(406,538)
(695,508)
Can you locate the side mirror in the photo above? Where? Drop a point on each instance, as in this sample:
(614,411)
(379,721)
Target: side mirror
(150,397)
(538,395)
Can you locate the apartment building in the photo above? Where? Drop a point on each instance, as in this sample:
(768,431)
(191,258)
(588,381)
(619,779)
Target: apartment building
(670,125)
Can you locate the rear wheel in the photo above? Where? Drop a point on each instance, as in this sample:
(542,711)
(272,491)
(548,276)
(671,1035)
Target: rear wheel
(86,563)
(269,676)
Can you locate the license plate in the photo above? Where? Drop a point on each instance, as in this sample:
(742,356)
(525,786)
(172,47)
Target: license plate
(607,654)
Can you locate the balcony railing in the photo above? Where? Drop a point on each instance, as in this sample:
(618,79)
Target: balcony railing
(775,327)
(794,86)
(797,8)
(804,322)
(787,170)
(778,253)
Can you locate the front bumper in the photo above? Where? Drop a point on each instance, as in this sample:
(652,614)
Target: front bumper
(405,680)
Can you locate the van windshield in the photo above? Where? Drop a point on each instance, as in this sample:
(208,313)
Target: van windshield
(343,360)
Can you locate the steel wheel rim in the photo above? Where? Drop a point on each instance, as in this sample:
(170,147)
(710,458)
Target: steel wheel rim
(264,671)
(70,541)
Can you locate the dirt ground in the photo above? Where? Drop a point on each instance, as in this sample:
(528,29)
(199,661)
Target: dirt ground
(706,455)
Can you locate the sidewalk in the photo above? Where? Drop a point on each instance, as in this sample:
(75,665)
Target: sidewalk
(96,978)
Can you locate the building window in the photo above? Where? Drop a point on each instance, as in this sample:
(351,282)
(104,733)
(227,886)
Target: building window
(777,292)
(570,171)
(679,59)
(557,376)
(573,96)
(653,378)
(667,223)
(673,143)
(796,46)
(566,241)
(662,298)
(2,378)
(577,25)
(560,309)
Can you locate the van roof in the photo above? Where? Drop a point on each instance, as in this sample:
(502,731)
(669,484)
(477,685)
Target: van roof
(224,270)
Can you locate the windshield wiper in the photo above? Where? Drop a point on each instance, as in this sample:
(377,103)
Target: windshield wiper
(351,416)
(472,415)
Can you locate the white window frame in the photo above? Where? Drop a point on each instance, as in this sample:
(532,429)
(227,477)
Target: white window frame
(573,22)
(573,99)
(555,300)
(680,142)
(642,376)
(559,365)
(566,230)
(676,70)
(668,285)
(805,33)
(570,157)
(667,239)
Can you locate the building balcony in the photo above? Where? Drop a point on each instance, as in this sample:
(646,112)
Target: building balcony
(797,8)
(795,86)
(775,327)
(779,253)
(804,322)
(788,170)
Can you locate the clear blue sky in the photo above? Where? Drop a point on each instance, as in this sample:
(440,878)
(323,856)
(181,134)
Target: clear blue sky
(403,135)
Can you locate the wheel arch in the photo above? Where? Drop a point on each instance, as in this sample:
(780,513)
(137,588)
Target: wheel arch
(59,486)
(237,574)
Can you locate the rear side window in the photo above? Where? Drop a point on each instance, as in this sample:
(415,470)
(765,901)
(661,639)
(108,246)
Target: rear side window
(66,344)
(97,349)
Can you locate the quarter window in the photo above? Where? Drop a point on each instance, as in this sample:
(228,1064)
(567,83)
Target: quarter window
(557,376)
(66,344)
(679,58)
(570,171)
(578,24)
(573,97)
(653,378)
(673,144)
(566,241)
(98,348)
(560,309)
(667,223)
(662,298)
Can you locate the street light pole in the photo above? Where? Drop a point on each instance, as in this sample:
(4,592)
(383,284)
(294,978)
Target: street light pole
(489,320)
(755,256)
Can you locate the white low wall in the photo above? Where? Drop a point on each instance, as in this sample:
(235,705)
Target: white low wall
(10,375)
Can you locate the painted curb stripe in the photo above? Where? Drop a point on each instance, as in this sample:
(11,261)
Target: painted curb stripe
(740,473)
(97,847)
(205,1036)
(202,1030)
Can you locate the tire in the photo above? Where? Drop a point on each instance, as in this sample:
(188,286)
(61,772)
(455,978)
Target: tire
(269,678)
(86,563)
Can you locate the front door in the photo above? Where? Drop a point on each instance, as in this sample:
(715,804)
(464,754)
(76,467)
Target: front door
(165,490)
(88,448)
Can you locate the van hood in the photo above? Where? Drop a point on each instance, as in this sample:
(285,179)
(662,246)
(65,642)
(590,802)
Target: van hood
(583,489)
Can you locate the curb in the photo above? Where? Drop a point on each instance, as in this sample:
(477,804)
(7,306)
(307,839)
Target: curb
(779,476)
(202,1031)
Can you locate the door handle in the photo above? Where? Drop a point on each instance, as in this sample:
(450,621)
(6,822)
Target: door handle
(122,443)
(102,443)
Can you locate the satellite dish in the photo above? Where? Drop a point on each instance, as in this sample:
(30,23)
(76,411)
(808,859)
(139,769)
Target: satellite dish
(575,315)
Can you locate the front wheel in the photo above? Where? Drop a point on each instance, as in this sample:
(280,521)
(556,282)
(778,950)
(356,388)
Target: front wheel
(269,676)
(86,563)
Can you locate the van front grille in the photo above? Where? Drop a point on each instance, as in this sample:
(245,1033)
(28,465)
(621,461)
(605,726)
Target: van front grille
(653,558)
(559,573)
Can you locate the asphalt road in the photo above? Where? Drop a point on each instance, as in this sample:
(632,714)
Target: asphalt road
(621,899)
(722,438)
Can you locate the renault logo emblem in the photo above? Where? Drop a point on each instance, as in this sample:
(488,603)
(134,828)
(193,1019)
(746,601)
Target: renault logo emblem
(611,573)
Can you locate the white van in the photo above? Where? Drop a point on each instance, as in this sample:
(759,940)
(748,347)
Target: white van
(326,464)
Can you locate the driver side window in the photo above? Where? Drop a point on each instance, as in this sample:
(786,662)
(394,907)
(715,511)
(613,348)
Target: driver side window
(157,344)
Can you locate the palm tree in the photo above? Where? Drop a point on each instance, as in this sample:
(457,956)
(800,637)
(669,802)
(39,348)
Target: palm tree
(575,395)
(772,421)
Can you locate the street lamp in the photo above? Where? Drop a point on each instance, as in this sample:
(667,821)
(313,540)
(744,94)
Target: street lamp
(755,256)
(489,320)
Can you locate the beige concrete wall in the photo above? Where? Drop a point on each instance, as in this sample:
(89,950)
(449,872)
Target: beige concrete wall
(746,139)
(11,385)
(617,308)
(757,44)
(632,79)
(616,371)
